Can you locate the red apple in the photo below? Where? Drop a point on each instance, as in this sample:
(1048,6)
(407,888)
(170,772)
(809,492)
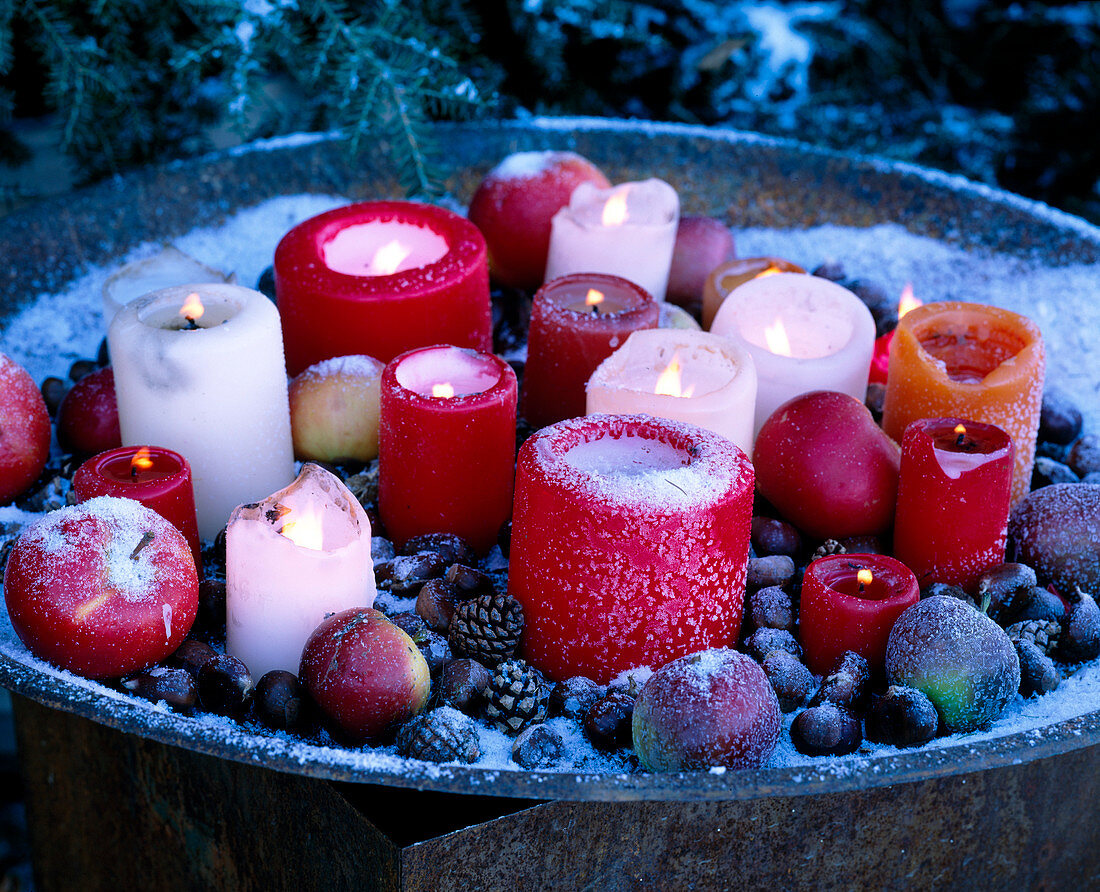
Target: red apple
(713,708)
(87,421)
(334,407)
(515,203)
(366,674)
(24,430)
(827,467)
(702,244)
(103,588)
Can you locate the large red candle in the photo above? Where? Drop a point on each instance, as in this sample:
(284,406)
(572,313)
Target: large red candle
(954,496)
(850,602)
(380,278)
(577,322)
(630,538)
(447,444)
(158,478)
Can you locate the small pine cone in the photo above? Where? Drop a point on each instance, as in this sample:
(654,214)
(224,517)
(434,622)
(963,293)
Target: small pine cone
(1043,633)
(516,698)
(829,546)
(442,735)
(487,628)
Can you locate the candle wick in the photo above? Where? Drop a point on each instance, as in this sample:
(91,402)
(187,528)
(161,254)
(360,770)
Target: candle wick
(275,513)
(960,440)
(133,472)
(146,538)
(595,309)
(191,326)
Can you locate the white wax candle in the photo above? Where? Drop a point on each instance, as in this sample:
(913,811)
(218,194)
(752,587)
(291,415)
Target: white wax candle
(298,555)
(804,333)
(628,230)
(447,372)
(383,248)
(684,375)
(216,394)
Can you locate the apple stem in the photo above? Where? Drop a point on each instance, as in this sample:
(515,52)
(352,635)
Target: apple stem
(146,538)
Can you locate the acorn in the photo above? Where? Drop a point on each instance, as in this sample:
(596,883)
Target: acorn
(436,604)
(1047,471)
(463,684)
(775,569)
(771,536)
(469,582)
(1042,604)
(1004,590)
(847,685)
(902,717)
(191,656)
(280,701)
(771,608)
(225,685)
(763,641)
(1038,674)
(1084,457)
(826,730)
(792,681)
(53,391)
(81,369)
(1060,421)
(406,573)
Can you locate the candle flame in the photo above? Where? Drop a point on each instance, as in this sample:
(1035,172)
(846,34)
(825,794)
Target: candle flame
(388,258)
(192,308)
(908,301)
(443,390)
(141,460)
(670,381)
(865,577)
(614,211)
(960,429)
(305,530)
(775,336)
(593,298)
(771,270)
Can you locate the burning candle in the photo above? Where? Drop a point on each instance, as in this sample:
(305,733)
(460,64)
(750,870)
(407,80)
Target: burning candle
(850,602)
(629,543)
(158,478)
(880,362)
(735,273)
(954,493)
(199,369)
(628,230)
(576,323)
(804,333)
(300,554)
(963,360)
(687,376)
(447,444)
(381,278)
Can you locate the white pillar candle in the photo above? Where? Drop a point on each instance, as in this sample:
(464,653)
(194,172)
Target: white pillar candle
(684,375)
(804,333)
(214,390)
(170,267)
(628,230)
(298,555)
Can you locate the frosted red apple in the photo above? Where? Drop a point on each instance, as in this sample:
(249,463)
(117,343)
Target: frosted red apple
(515,203)
(365,673)
(827,467)
(334,408)
(24,430)
(103,588)
(702,244)
(87,420)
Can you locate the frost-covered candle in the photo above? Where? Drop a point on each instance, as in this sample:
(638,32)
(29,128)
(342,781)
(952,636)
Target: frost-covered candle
(158,478)
(576,323)
(804,333)
(954,492)
(381,278)
(447,444)
(735,273)
(850,602)
(955,359)
(290,560)
(628,230)
(630,538)
(687,376)
(199,370)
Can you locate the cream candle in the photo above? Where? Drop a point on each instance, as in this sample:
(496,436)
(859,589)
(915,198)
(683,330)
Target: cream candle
(804,333)
(199,369)
(170,267)
(628,230)
(690,376)
(300,554)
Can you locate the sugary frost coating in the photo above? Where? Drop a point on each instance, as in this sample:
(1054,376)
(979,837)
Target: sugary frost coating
(1056,530)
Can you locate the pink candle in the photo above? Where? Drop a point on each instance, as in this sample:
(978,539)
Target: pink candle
(629,543)
(447,444)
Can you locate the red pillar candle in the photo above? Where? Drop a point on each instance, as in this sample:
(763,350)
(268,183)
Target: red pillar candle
(954,495)
(158,478)
(381,278)
(447,444)
(630,539)
(577,321)
(850,602)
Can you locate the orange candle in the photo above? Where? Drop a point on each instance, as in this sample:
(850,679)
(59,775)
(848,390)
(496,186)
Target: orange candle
(969,361)
(734,273)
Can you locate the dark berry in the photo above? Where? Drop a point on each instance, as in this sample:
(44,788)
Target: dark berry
(1060,420)
(826,730)
(279,701)
(771,536)
(538,746)
(573,697)
(225,685)
(792,681)
(436,604)
(1084,457)
(608,722)
(902,717)
(775,569)
(847,685)
(771,608)
(1047,472)
(449,547)
(763,641)
(174,686)
(463,683)
(1038,674)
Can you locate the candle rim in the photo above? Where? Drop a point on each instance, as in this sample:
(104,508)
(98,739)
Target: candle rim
(719,273)
(247,303)
(933,428)
(544,297)
(330,234)
(587,191)
(98,461)
(505,381)
(897,573)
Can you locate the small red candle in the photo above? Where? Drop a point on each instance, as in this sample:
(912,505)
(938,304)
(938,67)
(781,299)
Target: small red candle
(630,539)
(954,497)
(577,321)
(158,478)
(447,444)
(850,602)
(381,278)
